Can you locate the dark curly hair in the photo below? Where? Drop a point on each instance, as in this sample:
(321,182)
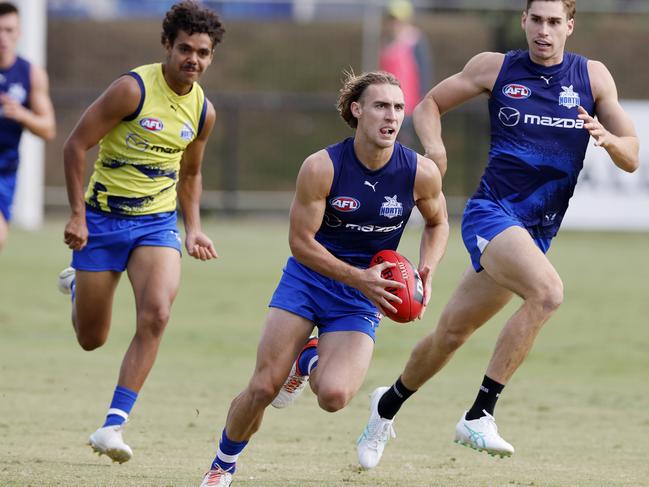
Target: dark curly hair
(354,87)
(192,18)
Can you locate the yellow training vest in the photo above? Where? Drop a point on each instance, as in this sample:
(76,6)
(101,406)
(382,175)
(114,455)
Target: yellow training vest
(139,160)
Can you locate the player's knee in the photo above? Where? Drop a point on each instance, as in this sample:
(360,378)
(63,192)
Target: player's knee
(153,320)
(452,339)
(90,342)
(549,296)
(333,399)
(263,390)
(449,337)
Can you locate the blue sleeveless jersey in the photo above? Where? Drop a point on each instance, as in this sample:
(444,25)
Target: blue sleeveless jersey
(16,83)
(537,142)
(367,210)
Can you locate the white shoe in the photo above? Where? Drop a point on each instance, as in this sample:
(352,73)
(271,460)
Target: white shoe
(293,387)
(108,441)
(376,435)
(66,278)
(482,434)
(295,382)
(217,478)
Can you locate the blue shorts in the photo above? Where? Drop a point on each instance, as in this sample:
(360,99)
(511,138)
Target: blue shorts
(112,238)
(329,304)
(7,190)
(483,219)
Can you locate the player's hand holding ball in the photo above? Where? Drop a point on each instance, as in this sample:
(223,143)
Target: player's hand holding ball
(410,293)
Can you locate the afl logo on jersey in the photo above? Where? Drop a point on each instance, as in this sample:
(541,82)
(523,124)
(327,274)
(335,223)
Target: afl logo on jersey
(516,91)
(152,124)
(345,203)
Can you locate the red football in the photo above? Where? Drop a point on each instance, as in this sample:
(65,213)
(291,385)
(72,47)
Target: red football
(412,296)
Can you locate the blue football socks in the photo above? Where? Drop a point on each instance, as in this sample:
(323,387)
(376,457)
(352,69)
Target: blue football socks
(120,407)
(228,453)
(307,360)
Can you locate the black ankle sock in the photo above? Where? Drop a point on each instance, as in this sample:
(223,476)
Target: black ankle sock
(486,400)
(392,399)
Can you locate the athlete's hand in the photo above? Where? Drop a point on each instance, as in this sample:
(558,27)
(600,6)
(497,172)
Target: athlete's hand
(12,109)
(595,129)
(75,234)
(373,286)
(200,246)
(426,277)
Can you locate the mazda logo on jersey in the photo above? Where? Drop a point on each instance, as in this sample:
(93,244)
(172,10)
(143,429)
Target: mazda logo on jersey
(345,203)
(509,117)
(152,124)
(136,142)
(516,91)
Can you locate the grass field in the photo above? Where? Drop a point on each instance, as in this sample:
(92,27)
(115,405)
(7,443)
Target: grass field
(577,411)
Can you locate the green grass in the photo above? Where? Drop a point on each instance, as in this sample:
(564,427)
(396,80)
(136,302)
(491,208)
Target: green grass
(577,411)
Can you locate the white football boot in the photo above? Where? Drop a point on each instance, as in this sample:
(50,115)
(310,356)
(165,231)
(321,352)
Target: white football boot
(108,441)
(482,434)
(66,278)
(377,433)
(217,478)
(295,382)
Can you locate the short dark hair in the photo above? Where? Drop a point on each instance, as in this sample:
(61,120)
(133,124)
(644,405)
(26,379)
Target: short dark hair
(192,18)
(8,8)
(570,6)
(355,86)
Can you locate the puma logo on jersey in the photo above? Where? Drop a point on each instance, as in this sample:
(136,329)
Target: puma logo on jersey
(373,186)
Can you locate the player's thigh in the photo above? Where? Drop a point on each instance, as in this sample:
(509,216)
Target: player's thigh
(343,360)
(154,273)
(514,261)
(476,299)
(282,338)
(94,292)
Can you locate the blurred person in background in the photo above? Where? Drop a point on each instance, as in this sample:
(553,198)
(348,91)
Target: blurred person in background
(152,125)
(542,105)
(24,104)
(352,199)
(405,52)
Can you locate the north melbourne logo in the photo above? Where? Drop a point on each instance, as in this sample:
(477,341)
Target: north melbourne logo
(187,132)
(17,93)
(391,208)
(568,98)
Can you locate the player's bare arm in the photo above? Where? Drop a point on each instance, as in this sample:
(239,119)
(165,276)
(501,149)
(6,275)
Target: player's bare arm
(477,77)
(613,129)
(431,203)
(190,187)
(307,211)
(39,118)
(118,101)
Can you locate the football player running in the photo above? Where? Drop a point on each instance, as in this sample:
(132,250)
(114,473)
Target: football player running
(543,103)
(152,125)
(352,199)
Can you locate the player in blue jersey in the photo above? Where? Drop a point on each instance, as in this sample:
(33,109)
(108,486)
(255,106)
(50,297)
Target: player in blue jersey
(152,126)
(352,199)
(542,104)
(24,104)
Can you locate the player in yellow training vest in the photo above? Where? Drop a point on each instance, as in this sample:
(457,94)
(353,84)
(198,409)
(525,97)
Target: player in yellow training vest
(151,125)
